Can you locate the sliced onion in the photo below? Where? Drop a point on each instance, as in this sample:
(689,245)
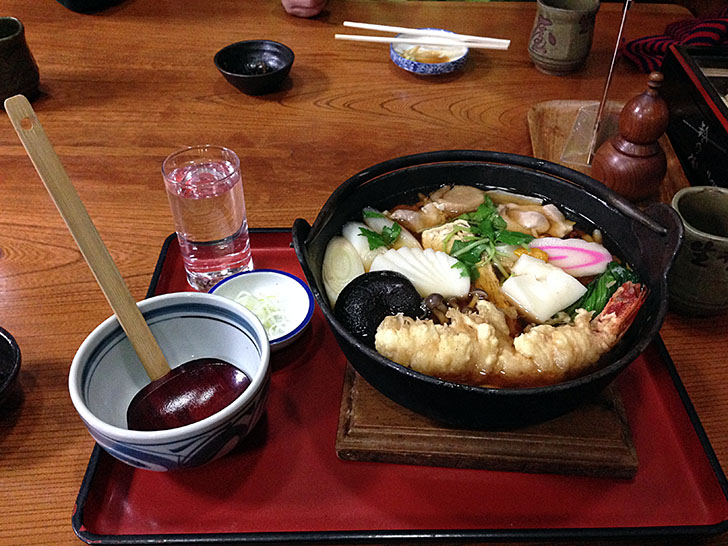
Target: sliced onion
(341,265)
(500,197)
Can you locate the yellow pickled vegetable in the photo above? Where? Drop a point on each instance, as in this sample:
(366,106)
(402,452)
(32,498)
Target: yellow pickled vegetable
(533,252)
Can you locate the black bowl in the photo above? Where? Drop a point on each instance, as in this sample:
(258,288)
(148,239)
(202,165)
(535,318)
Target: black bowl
(648,241)
(255,66)
(9,363)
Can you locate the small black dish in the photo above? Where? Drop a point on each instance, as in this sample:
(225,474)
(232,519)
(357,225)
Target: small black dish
(255,66)
(89,6)
(9,363)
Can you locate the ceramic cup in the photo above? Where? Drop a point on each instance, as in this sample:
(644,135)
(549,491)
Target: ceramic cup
(18,71)
(562,35)
(698,281)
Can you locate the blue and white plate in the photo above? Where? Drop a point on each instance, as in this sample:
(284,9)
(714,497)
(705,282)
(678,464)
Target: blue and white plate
(283,302)
(403,56)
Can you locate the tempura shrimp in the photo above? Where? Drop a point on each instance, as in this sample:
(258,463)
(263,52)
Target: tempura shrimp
(476,348)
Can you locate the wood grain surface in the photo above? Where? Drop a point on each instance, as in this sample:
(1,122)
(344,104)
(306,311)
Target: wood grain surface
(122,89)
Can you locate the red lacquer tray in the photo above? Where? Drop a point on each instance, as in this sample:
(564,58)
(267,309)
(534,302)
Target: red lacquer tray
(286,483)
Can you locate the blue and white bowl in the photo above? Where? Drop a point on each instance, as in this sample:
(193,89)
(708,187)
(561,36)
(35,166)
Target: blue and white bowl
(457,55)
(284,302)
(106,374)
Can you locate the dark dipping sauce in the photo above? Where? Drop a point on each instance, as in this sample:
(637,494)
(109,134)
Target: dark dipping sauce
(189,393)
(255,68)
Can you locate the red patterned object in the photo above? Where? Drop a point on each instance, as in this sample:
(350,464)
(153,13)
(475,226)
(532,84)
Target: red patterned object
(647,53)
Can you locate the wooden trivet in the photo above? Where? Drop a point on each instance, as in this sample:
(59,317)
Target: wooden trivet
(593,440)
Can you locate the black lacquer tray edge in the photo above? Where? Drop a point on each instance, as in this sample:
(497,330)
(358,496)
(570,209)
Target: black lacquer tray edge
(337,537)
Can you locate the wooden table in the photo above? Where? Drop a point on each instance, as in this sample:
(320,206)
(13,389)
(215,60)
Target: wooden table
(123,88)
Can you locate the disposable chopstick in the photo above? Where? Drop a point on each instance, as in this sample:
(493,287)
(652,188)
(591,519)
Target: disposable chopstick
(428,32)
(424,40)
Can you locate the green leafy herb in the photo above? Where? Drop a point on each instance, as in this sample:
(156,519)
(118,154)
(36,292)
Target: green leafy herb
(486,230)
(469,254)
(388,236)
(513,238)
(602,288)
(465,271)
(369,213)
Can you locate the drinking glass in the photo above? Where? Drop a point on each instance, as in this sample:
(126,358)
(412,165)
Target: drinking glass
(205,191)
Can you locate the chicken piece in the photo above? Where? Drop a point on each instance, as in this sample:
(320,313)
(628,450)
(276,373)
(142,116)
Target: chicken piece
(524,218)
(536,220)
(419,219)
(560,226)
(440,206)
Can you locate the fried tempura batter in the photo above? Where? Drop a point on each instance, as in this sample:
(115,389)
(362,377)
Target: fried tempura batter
(476,348)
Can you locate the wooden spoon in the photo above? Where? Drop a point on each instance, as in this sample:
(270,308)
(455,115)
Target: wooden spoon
(175,397)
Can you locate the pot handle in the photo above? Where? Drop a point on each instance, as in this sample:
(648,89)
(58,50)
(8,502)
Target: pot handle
(632,212)
(661,248)
(300,233)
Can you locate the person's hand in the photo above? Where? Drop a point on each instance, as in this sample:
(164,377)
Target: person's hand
(304,8)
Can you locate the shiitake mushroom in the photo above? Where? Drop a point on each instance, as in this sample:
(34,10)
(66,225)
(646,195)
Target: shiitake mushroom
(366,300)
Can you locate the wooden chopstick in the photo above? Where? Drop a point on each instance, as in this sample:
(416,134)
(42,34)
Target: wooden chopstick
(429,32)
(424,40)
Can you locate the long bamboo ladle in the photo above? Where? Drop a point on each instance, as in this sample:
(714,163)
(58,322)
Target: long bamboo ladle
(173,398)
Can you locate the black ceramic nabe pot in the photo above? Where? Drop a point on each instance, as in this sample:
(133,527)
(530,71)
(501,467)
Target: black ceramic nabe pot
(646,240)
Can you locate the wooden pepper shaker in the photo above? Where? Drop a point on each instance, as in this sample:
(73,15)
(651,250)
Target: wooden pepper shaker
(633,163)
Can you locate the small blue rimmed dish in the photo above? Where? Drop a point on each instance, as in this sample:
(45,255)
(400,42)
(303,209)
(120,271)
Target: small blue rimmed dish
(282,302)
(9,363)
(430,60)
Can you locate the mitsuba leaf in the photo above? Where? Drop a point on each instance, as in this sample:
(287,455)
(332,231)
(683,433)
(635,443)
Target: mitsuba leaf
(468,252)
(388,236)
(466,271)
(488,230)
(514,238)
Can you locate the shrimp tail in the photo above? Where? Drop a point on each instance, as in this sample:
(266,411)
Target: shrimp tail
(621,309)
